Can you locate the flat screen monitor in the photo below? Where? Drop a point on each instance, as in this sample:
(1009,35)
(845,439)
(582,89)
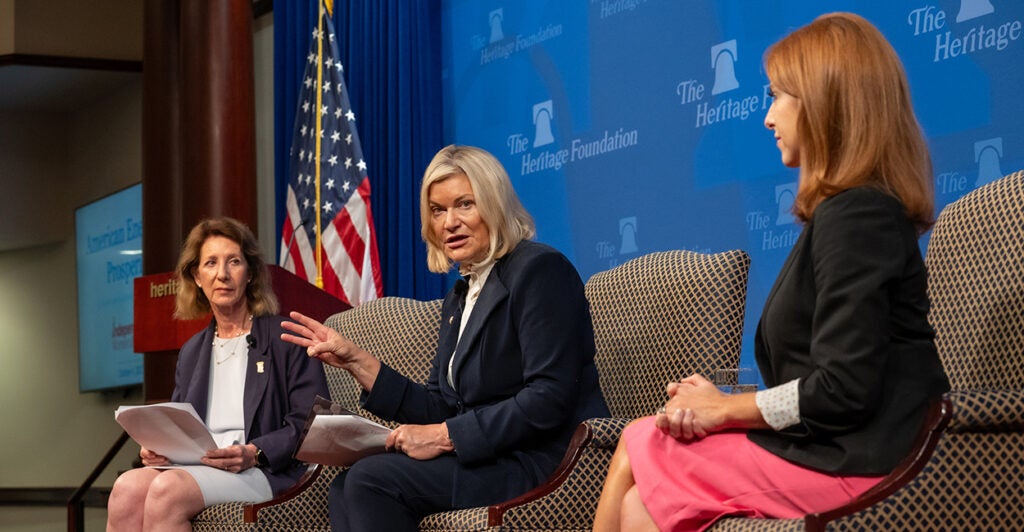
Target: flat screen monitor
(108,235)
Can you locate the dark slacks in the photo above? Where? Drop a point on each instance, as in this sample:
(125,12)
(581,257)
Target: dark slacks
(390,492)
(394,492)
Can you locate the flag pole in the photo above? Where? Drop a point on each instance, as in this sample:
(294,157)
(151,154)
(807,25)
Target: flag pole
(319,102)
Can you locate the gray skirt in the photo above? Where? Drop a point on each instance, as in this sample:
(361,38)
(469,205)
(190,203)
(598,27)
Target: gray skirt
(219,486)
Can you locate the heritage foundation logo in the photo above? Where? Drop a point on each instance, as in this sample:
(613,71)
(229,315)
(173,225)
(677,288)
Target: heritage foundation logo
(723,66)
(775,228)
(550,155)
(983,33)
(610,8)
(615,255)
(501,45)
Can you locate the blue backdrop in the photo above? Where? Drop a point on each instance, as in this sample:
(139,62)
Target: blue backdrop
(632,126)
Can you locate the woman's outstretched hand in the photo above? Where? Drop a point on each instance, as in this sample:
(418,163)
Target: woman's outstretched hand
(330,347)
(321,342)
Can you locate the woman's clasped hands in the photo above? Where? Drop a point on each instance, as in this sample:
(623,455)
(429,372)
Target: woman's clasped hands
(695,408)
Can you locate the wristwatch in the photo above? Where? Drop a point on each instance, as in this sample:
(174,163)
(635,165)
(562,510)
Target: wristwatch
(261,459)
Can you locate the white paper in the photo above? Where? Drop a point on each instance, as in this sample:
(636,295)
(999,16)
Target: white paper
(173,430)
(341,439)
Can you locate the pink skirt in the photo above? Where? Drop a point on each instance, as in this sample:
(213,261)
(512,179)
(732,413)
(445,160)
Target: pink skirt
(690,485)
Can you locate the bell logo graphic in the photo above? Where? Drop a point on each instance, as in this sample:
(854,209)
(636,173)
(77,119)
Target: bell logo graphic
(785,195)
(542,115)
(987,154)
(627,230)
(723,60)
(973,9)
(494,20)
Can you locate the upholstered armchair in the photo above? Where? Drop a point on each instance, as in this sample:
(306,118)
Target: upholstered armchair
(966,471)
(657,318)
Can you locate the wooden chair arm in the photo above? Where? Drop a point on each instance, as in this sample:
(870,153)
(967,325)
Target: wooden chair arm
(580,439)
(250,511)
(938,418)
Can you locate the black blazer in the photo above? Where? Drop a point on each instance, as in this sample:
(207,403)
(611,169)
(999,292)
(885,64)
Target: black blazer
(281,382)
(524,374)
(848,317)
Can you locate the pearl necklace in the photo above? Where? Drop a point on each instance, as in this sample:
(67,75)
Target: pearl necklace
(237,341)
(234,339)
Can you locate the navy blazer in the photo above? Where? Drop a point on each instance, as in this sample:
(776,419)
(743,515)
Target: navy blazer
(524,374)
(848,317)
(281,382)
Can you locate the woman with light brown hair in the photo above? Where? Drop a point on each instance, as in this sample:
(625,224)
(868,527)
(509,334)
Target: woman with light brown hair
(252,389)
(856,122)
(843,345)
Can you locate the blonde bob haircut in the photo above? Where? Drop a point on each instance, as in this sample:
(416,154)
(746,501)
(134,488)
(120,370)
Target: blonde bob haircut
(507,221)
(191,302)
(856,122)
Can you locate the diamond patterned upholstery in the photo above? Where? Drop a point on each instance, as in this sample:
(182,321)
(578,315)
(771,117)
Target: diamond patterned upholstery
(975,277)
(656,318)
(965,473)
(662,317)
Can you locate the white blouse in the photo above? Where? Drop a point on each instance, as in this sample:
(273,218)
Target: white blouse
(225,413)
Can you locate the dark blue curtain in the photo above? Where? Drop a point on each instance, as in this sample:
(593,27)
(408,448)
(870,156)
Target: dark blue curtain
(391,51)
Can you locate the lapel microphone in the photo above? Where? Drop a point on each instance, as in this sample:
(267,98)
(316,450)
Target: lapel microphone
(250,340)
(461,287)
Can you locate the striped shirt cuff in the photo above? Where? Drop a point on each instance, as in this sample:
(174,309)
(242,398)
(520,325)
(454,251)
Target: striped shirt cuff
(780,405)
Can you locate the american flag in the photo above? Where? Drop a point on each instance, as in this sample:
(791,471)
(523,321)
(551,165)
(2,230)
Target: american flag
(333,204)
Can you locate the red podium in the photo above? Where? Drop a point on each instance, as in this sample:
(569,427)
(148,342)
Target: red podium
(157,330)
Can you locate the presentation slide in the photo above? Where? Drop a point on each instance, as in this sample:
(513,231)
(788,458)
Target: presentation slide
(108,234)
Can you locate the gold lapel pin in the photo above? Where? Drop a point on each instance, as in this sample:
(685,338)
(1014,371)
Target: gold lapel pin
(259,367)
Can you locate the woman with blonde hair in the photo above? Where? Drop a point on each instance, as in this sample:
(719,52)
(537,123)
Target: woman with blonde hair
(843,345)
(512,376)
(252,389)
